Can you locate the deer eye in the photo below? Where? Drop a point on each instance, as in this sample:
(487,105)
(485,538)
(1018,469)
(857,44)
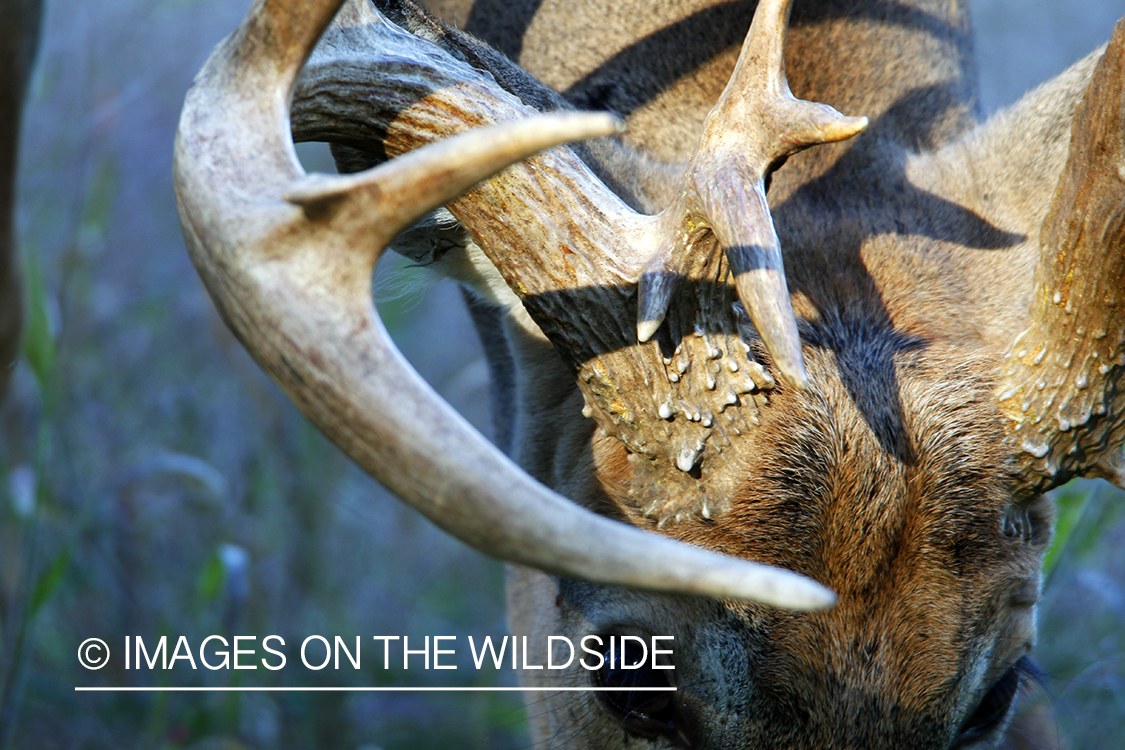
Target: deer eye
(648,713)
(1029,522)
(992,709)
(1017,523)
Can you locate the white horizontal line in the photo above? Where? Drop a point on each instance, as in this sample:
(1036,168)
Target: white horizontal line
(372,690)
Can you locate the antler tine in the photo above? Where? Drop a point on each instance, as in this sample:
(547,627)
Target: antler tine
(756,123)
(288,260)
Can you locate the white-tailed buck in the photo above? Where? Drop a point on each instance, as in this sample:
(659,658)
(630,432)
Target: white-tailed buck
(808,437)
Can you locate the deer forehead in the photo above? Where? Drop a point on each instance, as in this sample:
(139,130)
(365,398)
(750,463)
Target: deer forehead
(887,471)
(885,481)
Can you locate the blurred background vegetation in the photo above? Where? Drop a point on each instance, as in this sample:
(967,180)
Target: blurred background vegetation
(154,482)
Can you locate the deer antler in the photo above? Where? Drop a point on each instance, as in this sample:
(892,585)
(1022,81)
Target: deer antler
(576,255)
(755,125)
(1061,387)
(288,260)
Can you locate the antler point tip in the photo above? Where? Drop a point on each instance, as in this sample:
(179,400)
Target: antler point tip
(646,329)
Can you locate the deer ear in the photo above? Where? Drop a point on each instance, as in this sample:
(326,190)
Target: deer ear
(1061,380)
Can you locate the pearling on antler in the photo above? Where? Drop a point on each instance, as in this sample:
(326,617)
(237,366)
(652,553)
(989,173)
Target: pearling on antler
(288,261)
(755,124)
(576,255)
(1061,381)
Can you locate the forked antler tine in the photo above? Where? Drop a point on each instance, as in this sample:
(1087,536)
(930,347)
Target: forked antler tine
(288,261)
(757,99)
(756,123)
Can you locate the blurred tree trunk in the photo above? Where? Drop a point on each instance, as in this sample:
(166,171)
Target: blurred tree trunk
(19,39)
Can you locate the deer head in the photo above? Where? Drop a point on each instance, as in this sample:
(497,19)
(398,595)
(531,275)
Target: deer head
(863,385)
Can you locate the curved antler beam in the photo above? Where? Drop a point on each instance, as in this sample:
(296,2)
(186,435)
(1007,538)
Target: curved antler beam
(1062,382)
(574,253)
(288,261)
